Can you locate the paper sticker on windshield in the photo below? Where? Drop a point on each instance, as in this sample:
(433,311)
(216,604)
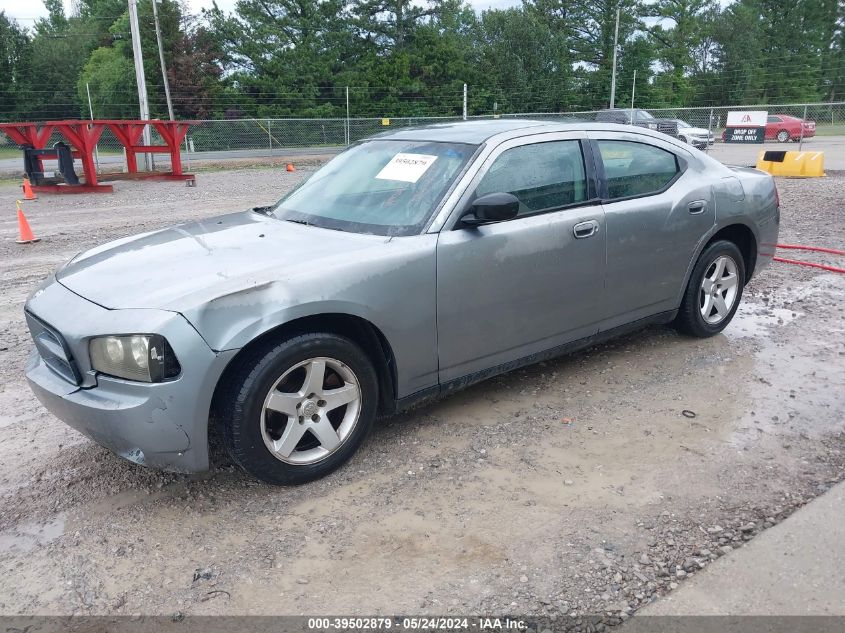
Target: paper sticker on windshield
(406,167)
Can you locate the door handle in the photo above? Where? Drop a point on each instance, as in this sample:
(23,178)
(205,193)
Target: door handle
(697,206)
(585,229)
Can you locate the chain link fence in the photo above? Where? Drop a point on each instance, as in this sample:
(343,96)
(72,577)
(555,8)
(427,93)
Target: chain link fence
(273,136)
(259,138)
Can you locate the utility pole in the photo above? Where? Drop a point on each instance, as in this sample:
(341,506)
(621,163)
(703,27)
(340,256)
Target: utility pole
(163,65)
(139,77)
(465,102)
(347,116)
(615,47)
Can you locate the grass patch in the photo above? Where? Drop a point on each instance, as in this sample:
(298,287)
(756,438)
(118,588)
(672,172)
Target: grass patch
(830,130)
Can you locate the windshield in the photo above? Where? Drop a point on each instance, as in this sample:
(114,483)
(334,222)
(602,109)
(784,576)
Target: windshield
(642,114)
(384,187)
(683,124)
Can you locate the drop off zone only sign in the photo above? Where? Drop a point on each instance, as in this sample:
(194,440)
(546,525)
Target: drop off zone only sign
(746,127)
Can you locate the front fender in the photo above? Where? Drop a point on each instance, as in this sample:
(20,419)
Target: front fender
(395,292)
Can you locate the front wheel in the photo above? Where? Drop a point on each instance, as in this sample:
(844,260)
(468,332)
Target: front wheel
(713,292)
(783,136)
(299,410)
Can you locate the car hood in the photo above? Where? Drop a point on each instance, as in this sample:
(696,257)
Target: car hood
(696,131)
(186,265)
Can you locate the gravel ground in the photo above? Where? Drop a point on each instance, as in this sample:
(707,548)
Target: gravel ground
(575,486)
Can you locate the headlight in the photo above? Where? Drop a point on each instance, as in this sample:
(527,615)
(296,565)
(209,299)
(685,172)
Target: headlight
(144,357)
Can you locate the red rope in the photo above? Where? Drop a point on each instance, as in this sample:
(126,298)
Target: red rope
(811,264)
(817,249)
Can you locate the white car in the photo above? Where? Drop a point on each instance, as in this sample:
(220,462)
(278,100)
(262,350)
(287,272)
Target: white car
(696,136)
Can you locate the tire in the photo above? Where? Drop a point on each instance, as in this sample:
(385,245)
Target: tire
(683,139)
(272,425)
(700,296)
(783,136)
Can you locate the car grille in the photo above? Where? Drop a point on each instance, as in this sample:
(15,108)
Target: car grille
(667,127)
(53,349)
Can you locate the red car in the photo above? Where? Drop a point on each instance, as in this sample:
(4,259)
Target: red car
(783,128)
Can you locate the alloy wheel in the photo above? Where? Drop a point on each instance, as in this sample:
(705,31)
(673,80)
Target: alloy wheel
(310,411)
(719,289)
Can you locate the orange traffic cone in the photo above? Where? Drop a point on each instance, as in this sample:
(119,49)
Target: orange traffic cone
(28,193)
(26,234)
(290,167)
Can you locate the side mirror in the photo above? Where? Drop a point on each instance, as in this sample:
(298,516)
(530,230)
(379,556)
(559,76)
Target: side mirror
(494,207)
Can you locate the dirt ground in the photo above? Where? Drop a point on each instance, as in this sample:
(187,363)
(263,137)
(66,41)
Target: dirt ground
(573,486)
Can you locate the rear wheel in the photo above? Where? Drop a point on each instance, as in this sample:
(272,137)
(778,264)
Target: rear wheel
(713,292)
(299,410)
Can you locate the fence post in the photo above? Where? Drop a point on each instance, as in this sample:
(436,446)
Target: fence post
(709,131)
(347,116)
(269,134)
(91,112)
(803,123)
(465,102)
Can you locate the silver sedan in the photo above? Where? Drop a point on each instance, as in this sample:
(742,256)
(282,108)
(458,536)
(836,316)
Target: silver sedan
(412,264)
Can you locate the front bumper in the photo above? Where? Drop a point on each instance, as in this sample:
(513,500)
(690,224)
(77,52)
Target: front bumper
(700,141)
(163,425)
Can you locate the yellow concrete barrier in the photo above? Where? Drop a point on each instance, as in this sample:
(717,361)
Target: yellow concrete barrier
(795,164)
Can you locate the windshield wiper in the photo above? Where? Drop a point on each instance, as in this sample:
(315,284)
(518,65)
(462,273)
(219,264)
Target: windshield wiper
(302,222)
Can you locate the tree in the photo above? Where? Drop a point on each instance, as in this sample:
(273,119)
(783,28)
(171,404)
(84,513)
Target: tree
(519,62)
(739,58)
(833,62)
(110,75)
(424,69)
(775,52)
(678,32)
(15,57)
(593,26)
(401,58)
(195,72)
(389,23)
(284,52)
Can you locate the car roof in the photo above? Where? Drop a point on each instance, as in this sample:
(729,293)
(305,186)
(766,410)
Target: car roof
(477,132)
(474,132)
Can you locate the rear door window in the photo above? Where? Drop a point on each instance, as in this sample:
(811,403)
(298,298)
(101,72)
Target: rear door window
(636,169)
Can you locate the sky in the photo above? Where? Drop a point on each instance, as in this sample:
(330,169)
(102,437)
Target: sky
(27,11)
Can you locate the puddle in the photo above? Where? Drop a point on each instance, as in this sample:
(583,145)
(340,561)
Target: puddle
(754,320)
(27,536)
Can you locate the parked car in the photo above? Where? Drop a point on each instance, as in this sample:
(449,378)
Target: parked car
(410,265)
(638,117)
(784,128)
(696,136)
